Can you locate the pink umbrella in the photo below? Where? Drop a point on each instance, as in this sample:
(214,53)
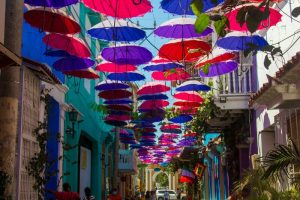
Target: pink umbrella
(84,73)
(169,126)
(171,75)
(187,104)
(73,45)
(151,104)
(189,96)
(114,68)
(118,117)
(220,58)
(153,88)
(119,8)
(273,19)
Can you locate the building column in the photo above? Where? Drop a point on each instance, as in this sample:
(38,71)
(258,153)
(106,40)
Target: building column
(146,182)
(170,181)
(150,177)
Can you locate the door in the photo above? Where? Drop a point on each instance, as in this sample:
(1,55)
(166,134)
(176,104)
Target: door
(85,169)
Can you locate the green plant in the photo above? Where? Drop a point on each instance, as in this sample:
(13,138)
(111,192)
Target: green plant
(162,180)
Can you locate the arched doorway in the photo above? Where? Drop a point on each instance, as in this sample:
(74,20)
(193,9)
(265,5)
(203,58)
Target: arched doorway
(161,180)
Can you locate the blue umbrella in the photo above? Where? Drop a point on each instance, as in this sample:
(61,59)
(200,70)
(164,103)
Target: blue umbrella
(220,68)
(128,76)
(162,66)
(193,86)
(153,97)
(183,7)
(73,63)
(181,119)
(148,134)
(118,30)
(241,42)
(111,85)
(118,101)
(51,3)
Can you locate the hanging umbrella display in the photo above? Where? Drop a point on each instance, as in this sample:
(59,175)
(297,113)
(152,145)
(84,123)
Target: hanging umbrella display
(162,66)
(181,119)
(127,54)
(153,88)
(171,75)
(118,118)
(51,3)
(127,76)
(150,104)
(153,97)
(114,68)
(120,9)
(73,63)
(187,50)
(220,68)
(188,110)
(114,94)
(240,41)
(117,30)
(172,131)
(115,123)
(119,107)
(111,85)
(179,28)
(72,45)
(221,58)
(187,104)
(53,21)
(84,73)
(183,7)
(273,18)
(169,126)
(118,101)
(193,86)
(189,96)
(56,53)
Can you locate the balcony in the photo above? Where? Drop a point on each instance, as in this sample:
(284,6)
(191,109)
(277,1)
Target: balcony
(127,161)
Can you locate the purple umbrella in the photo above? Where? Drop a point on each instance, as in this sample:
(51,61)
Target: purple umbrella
(73,63)
(162,66)
(153,97)
(127,54)
(51,3)
(118,101)
(126,76)
(180,28)
(220,68)
(111,85)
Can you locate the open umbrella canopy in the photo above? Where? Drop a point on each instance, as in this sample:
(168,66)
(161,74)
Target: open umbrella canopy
(187,104)
(51,3)
(118,117)
(184,50)
(220,68)
(153,97)
(183,7)
(150,104)
(273,18)
(114,68)
(240,41)
(162,66)
(181,119)
(117,30)
(179,28)
(115,123)
(126,76)
(193,86)
(221,58)
(56,53)
(72,63)
(88,73)
(122,101)
(153,88)
(73,45)
(189,96)
(114,94)
(50,20)
(119,9)
(171,75)
(111,85)
(127,54)
(169,126)
(119,107)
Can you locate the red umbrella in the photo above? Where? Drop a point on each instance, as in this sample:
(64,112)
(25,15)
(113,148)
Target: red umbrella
(73,45)
(220,58)
(273,19)
(187,104)
(169,126)
(114,94)
(171,75)
(85,73)
(188,110)
(114,68)
(53,21)
(186,50)
(189,96)
(153,88)
(118,117)
(119,107)
(150,104)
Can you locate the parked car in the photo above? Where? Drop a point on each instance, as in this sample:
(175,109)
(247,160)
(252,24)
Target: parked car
(160,193)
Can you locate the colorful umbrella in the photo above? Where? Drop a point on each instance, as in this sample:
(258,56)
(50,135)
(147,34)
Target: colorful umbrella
(111,85)
(128,76)
(220,68)
(241,41)
(189,96)
(187,50)
(51,3)
(153,88)
(88,73)
(153,97)
(162,66)
(73,45)
(118,8)
(114,68)
(56,53)
(117,30)
(169,126)
(187,104)
(127,54)
(114,94)
(115,123)
(118,117)
(181,119)
(171,75)
(119,107)
(272,20)
(179,28)
(150,104)
(118,101)
(183,7)
(220,58)
(53,21)
(193,86)
(73,63)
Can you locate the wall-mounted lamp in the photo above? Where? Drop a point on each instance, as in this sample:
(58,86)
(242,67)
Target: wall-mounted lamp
(74,117)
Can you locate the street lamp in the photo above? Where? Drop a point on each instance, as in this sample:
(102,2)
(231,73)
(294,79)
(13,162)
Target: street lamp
(73,115)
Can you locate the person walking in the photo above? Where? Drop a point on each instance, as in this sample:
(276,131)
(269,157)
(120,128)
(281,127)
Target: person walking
(66,194)
(148,197)
(88,194)
(114,195)
(166,195)
(153,195)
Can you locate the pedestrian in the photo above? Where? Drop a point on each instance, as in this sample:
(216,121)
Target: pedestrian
(166,195)
(153,195)
(148,197)
(178,191)
(114,195)
(66,194)
(88,194)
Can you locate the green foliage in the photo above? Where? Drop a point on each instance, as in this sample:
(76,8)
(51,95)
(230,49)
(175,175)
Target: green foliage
(220,25)
(296,12)
(162,179)
(202,22)
(98,108)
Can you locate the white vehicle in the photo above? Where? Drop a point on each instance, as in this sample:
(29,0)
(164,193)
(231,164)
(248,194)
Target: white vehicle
(160,194)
